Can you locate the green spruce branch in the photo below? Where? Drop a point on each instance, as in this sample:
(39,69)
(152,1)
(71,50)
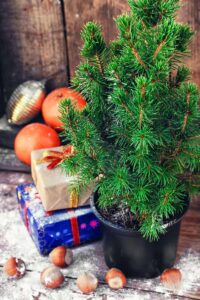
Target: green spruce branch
(139,133)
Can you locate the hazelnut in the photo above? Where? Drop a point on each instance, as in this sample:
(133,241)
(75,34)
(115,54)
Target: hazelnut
(115,279)
(87,282)
(15,267)
(171,278)
(61,256)
(52,277)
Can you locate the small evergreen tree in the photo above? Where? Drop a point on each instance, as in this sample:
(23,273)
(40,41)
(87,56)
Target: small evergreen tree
(138,137)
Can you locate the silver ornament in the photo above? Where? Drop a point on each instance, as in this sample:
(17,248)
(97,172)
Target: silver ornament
(25,102)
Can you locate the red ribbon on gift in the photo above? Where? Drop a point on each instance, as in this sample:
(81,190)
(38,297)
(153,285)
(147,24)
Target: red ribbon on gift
(48,213)
(26,215)
(74,227)
(56,157)
(26,206)
(75,231)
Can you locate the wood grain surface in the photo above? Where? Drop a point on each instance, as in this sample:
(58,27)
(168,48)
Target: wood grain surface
(32,42)
(9,162)
(2,103)
(79,12)
(42,37)
(15,240)
(190,14)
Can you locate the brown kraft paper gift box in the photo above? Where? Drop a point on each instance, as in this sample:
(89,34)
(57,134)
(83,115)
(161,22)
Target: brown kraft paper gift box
(53,184)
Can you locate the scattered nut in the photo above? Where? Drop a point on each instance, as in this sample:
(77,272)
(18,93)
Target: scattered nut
(52,277)
(87,283)
(171,278)
(61,256)
(15,267)
(115,279)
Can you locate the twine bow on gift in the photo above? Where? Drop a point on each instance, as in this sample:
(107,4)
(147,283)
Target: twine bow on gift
(56,157)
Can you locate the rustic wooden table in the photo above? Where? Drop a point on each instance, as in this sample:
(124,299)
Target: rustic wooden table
(14,240)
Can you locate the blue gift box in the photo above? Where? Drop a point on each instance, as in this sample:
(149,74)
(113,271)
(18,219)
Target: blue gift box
(69,227)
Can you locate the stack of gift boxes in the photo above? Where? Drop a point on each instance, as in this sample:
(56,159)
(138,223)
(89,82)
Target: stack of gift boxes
(53,213)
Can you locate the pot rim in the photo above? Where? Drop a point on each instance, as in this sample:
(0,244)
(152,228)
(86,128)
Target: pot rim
(129,231)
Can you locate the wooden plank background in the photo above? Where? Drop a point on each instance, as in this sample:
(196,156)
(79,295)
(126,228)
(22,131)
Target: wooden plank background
(33,44)
(40,38)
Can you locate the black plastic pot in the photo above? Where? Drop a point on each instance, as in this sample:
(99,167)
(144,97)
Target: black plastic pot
(137,257)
